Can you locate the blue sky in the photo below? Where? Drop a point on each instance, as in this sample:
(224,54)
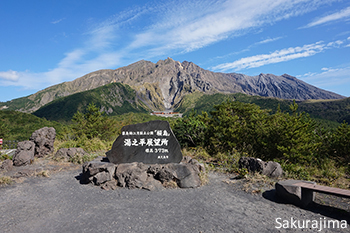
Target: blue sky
(43,43)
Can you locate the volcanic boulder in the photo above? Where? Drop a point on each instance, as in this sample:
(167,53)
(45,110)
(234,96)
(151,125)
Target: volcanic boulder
(44,139)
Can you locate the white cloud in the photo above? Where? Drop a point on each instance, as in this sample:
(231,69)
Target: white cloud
(278,56)
(10,75)
(25,79)
(343,14)
(269,40)
(181,29)
(58,21)
(173,27)
(329,77)
(336,43)
(274,57)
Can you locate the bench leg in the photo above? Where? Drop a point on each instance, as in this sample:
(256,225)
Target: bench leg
(307,196)
(294,194)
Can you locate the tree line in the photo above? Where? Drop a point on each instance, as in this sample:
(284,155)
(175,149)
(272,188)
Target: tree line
(293,139)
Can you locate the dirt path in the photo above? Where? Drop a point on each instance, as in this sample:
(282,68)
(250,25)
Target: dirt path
(61,204)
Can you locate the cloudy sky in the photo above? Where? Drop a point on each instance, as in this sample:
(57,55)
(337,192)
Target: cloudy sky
(43,43)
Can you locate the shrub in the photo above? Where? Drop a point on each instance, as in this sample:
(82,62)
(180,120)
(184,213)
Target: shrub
(93,124)
(235,125)
(5,156)
(80,159)
(94,144)
(190,130)
(5,180)
(292,138)
(249,129)
(340,144)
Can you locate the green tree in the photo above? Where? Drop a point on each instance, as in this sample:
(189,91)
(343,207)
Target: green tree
(3,129)
(292,137)
(236,125)
(247,128)
(93,124)
(190,130)
(340,144)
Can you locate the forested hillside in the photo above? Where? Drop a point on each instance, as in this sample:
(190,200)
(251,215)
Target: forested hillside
(114,99)
(328,112)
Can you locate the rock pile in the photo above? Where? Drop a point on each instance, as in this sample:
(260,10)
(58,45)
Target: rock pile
(41,143)
(108,175)
(24,154)
(270,169)
(68,153)
(7,165)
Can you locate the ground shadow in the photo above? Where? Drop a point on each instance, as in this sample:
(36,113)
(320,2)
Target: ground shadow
(84,178)
(325,210)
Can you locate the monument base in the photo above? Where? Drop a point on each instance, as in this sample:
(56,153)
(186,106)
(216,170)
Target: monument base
(151,177)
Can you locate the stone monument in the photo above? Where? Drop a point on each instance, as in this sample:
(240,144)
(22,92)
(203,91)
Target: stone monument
(152,142)
(147,156)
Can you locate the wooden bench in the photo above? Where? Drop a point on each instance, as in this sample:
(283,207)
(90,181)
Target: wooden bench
(324,189)
(301,193)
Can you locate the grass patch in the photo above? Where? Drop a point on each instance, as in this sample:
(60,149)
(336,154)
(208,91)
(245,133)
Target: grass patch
(5,180)
(89,145)
(95,147)
(223,162)
(257,183)
(170,184)
(80,159)
(44,173)
(203,177)
(5,156)
(328,173)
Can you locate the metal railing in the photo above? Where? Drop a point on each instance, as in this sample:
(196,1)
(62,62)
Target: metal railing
(9,145)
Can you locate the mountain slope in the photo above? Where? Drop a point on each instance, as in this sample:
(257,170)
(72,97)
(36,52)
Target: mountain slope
(335,110)
(328,112)
(162,85)
(114,99)
(20,126)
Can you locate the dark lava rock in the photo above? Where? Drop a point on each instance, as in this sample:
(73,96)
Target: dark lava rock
(24,154)
(44,139)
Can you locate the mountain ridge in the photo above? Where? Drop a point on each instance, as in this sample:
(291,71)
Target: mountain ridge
(113,99)
(162,85)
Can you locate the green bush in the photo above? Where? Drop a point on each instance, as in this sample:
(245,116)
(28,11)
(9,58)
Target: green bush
(93,144)
(190,131)
(247,128)
(3,129)
(292,138)
(235,126)
(19,126)
(93,124)
(236,129)
(340,145)
(80,159)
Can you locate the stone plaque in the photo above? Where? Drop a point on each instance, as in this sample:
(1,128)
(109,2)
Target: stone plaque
(150,143)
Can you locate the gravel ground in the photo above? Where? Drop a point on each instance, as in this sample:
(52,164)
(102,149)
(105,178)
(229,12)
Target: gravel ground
(61,204)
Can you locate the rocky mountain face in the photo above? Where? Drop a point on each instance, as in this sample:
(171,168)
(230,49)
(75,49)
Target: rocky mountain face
(163,84)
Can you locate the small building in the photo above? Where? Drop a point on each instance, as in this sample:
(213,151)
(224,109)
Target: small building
(166,114)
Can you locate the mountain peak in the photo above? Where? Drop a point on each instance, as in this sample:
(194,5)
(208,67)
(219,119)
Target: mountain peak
(289,77)
(163,85)
(169,59)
